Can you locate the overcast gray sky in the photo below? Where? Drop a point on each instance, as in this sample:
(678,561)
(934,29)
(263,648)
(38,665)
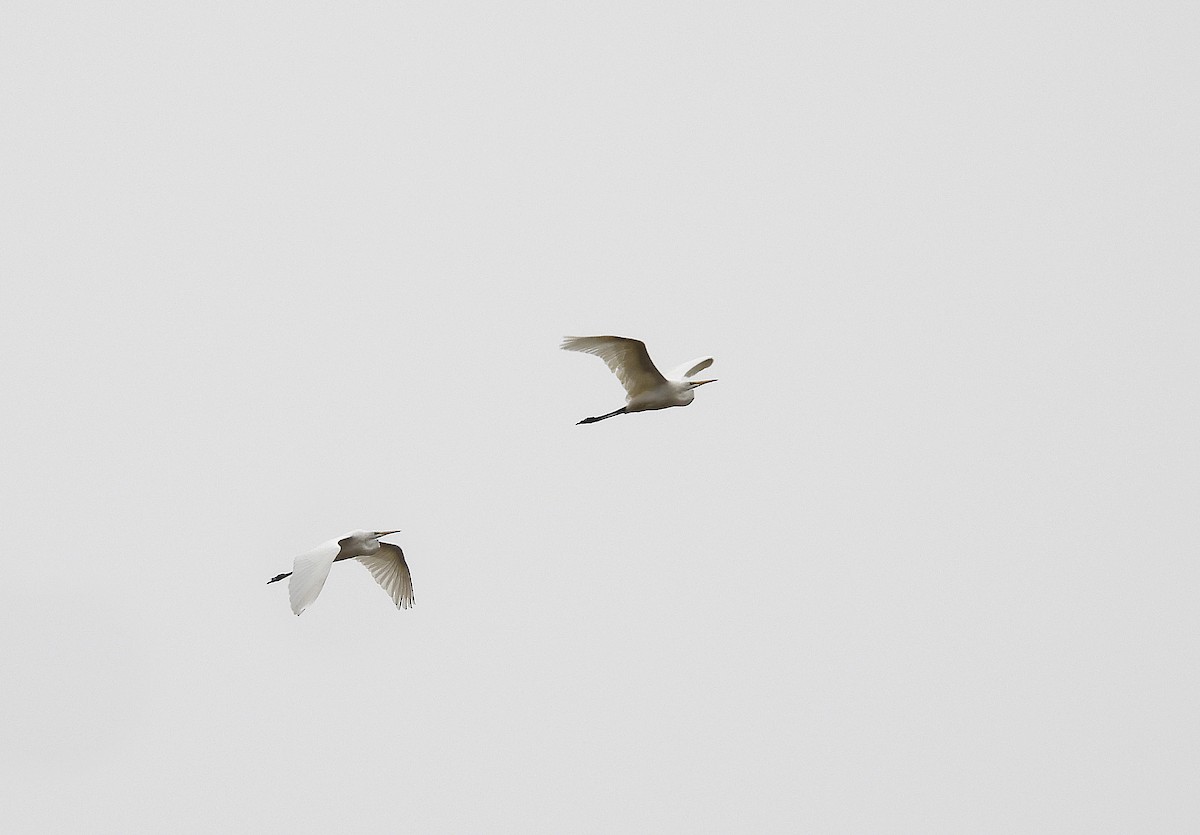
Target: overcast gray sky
(924,560)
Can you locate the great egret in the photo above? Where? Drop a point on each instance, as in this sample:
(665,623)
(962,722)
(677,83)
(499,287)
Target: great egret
(645,386)
(384,560)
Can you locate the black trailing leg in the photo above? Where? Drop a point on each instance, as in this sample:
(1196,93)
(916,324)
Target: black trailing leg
(277,579)
(619,411)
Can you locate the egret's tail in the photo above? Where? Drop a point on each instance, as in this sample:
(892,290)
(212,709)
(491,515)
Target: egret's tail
(278,578)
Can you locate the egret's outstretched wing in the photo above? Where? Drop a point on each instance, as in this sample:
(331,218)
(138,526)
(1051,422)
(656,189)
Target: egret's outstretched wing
(309,573)
(390,570)
(690,368)
(627,358)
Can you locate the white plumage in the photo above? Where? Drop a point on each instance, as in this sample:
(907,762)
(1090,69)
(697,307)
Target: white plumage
(645,386)
(384,560)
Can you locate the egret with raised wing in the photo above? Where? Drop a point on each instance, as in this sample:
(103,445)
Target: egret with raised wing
(645,386)
(384,560)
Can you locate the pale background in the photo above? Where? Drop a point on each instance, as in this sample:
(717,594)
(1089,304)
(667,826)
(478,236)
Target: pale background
(924,560)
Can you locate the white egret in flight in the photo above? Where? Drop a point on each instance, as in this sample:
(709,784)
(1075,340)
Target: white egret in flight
(645,386)
(384,560)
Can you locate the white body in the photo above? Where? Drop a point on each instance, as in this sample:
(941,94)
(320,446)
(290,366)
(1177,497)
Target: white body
(645,386)
(384,560)
(670,393)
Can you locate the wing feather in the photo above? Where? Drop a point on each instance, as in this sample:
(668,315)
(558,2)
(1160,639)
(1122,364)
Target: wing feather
(690,368)
(308,574)
(389,569)
(627,358)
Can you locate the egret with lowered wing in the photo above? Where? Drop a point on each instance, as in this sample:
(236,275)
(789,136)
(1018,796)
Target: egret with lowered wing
(384,560)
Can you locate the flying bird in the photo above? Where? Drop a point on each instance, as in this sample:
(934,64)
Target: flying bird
(645,386)
(384,560)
